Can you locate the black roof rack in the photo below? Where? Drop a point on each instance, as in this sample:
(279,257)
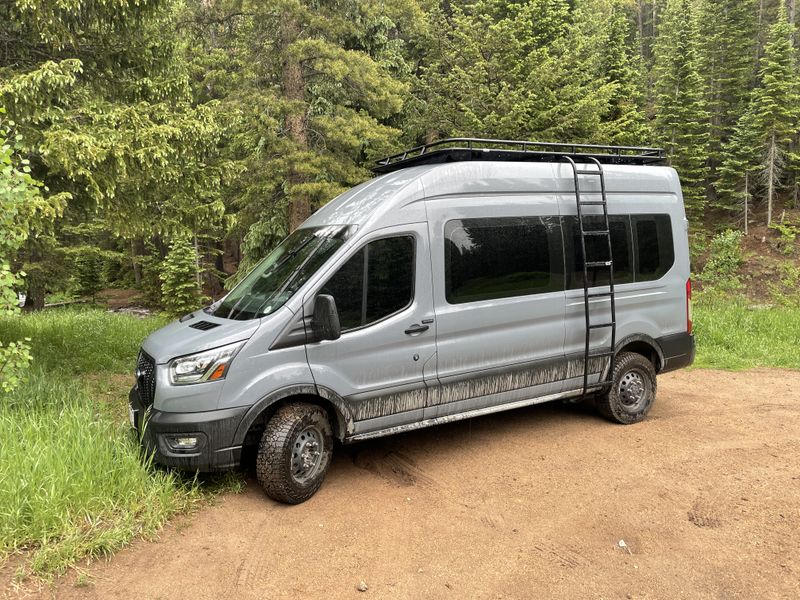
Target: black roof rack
(466,149)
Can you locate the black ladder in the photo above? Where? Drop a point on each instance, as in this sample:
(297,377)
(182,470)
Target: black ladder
(589,263)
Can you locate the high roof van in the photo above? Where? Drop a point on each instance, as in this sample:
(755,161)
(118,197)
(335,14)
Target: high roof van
(468,277)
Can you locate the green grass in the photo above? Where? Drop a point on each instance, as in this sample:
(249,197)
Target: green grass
(81,340)
(72,481)
(733,335)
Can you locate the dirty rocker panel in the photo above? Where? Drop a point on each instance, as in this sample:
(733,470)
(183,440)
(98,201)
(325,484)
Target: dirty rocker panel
(529,376)
(465,415)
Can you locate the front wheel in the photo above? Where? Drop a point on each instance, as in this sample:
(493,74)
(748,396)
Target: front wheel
(294,453)
(632,391)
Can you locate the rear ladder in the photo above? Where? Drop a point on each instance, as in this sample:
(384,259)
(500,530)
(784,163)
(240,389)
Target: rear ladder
(591,263)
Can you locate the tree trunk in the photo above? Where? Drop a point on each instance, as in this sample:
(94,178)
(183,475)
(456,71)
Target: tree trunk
(772,164)
(640,26)
(293,88)
(759,28)
(746,192)
(216,281)
(197,262)
(137,268)
(35,286)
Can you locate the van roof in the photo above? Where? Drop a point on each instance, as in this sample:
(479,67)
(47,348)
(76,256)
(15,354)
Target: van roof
(372,200)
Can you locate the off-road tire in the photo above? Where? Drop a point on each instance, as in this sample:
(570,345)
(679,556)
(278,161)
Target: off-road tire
(274,466)
(616,404)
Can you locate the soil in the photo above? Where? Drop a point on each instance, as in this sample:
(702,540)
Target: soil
(764,260)
(701,500)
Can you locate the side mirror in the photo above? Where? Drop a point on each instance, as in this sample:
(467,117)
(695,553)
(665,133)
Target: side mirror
(325,322)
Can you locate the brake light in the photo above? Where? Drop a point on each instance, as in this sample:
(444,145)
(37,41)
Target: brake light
(689,306)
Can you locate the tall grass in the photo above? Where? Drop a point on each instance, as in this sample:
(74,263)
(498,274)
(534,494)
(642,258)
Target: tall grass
(72,483)
(733,335)
(81,340)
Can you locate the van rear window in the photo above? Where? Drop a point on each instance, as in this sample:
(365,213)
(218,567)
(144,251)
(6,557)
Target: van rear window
(491,258)
(597,249)
(655,252)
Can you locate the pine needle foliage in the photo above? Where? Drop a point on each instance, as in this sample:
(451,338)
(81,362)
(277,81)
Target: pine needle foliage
(682,119)
(180,292)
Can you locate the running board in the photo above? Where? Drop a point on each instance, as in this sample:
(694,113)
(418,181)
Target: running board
(469,414)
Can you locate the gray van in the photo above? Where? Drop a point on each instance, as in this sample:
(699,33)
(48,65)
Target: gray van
(470,276)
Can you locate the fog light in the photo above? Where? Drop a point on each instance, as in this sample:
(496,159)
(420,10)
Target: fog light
(185,443)
(182,442)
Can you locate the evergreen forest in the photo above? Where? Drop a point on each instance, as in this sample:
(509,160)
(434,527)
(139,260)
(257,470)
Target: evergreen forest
(165,145)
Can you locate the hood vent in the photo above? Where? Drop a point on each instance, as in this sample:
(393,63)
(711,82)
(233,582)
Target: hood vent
(204,325)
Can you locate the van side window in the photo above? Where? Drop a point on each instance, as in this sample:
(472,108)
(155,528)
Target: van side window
(491,258)
(388,266)
(655,253)
(597,249)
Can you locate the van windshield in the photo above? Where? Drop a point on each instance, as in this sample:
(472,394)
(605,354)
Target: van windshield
(276,278)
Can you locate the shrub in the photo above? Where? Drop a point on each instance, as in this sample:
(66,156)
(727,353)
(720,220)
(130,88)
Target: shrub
(721,269)
(788,234)
(89,271)
(180,292)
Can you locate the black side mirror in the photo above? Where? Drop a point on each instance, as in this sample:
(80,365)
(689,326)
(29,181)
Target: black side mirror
(325,323)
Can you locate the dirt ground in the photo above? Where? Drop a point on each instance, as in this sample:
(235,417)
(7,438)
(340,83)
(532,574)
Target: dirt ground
(533,503)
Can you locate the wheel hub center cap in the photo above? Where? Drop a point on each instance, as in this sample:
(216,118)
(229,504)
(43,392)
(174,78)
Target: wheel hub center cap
(306,454)
(632,389)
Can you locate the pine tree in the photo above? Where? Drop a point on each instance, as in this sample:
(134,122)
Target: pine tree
(727,66)
(179,290)
(520,70)
(621,64)
(311,92)
(682,121)
(766,130)
(740,159)
(102,100)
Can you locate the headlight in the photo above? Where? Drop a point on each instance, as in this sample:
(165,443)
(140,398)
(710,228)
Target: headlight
(211,365)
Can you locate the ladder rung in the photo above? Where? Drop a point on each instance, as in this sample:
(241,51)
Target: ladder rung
(585,172)
(592,203)
(601,325)
(597,232)
(600,295)
(602,263)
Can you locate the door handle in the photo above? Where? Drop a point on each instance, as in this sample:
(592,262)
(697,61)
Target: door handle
(416,329)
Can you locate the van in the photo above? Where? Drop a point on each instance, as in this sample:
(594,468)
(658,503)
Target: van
(470,276)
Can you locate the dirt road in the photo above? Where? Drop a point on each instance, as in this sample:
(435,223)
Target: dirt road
(527,504)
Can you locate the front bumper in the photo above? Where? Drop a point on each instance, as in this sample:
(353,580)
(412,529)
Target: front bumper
(213,429)
(679,351)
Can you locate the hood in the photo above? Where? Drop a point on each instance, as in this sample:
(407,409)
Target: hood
(196,332)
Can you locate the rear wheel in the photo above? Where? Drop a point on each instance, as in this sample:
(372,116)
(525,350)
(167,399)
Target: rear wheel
(294,453)
(632,391)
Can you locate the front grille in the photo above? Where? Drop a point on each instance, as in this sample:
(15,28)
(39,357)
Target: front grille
(146,377)
(204,325)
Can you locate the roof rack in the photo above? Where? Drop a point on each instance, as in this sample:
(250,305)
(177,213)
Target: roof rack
(466,149)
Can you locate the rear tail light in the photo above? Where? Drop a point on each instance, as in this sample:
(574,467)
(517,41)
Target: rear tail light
(688,306)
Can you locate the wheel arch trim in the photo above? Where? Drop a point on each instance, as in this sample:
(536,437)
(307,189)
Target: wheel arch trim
(642,338)
(342,427)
